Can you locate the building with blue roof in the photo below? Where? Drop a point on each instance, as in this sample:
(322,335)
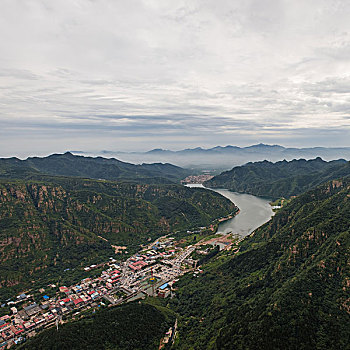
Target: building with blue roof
(165,285)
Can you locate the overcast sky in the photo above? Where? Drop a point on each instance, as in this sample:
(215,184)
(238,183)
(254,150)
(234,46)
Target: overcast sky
(132,75)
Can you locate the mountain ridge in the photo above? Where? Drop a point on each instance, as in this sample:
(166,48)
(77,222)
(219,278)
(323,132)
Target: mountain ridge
(286,288)
(280,179)
(57,223)
(225,157)
(68,164)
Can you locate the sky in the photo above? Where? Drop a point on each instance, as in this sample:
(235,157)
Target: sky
(133,75)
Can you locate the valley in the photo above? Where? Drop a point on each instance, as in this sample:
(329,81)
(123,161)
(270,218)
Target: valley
(253,212)
(151,272)
(287,287)
(212,265)
(174,175)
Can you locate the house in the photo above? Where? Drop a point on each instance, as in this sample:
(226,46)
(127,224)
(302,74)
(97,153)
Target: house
(22,296)
(163,286)
(44,306)
(23,315)
(32,309)
(64,289)
(78,302)
(17,329)
(28,325)
(4,326)
(64,310)
(163,293)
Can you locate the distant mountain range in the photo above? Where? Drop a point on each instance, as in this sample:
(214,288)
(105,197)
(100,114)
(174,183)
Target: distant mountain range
(68,164)
(224,158)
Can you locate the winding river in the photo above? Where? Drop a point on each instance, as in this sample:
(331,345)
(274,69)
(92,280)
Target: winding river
(254,211)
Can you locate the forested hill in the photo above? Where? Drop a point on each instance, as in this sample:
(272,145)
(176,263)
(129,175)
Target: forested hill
(281,179)
(68,164)
(47,227)
(287,288)
(132,326)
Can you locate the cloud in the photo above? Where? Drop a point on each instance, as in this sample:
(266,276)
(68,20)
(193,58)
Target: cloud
(165,73)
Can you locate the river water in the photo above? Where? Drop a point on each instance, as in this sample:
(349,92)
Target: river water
(254,211)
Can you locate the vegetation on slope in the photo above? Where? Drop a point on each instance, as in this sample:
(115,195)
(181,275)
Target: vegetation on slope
(131,326)
(287,288)
(281,179)
(88,167)
(65,223)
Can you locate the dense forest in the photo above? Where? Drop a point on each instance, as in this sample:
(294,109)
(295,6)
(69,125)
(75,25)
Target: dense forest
(131,326)
(49,226)
(287,288)
(280,179)
(68,164)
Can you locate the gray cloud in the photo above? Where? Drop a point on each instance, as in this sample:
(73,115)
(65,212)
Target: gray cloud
(144,74)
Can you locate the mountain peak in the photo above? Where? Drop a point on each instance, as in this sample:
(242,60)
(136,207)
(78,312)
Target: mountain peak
(68,154)
(157,150)
(265,146)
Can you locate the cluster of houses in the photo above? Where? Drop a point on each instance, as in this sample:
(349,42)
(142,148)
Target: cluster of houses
(138,262)
(137,265)
(29,316)
(32,313)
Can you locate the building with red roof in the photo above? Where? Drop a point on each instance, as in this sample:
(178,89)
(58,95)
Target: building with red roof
(63,289)
(78,301)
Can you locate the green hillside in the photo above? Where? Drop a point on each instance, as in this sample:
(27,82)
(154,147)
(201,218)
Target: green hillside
(287,288)
(281,179)
(131,326)
(66,223)
(68,164)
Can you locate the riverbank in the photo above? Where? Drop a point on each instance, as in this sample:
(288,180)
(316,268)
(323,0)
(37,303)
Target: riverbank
(253,212)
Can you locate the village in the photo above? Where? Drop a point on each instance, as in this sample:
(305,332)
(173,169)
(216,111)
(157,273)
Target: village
(150,272)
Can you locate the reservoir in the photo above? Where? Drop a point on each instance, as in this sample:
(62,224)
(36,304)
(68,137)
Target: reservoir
(254,211)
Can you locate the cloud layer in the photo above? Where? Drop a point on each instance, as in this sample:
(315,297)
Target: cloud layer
(131,75)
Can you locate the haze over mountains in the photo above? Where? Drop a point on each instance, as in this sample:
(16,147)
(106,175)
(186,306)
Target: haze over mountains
(175,175)
(224,158)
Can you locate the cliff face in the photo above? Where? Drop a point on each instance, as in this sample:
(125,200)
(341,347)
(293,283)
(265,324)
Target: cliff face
(38,231)
(67,223)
